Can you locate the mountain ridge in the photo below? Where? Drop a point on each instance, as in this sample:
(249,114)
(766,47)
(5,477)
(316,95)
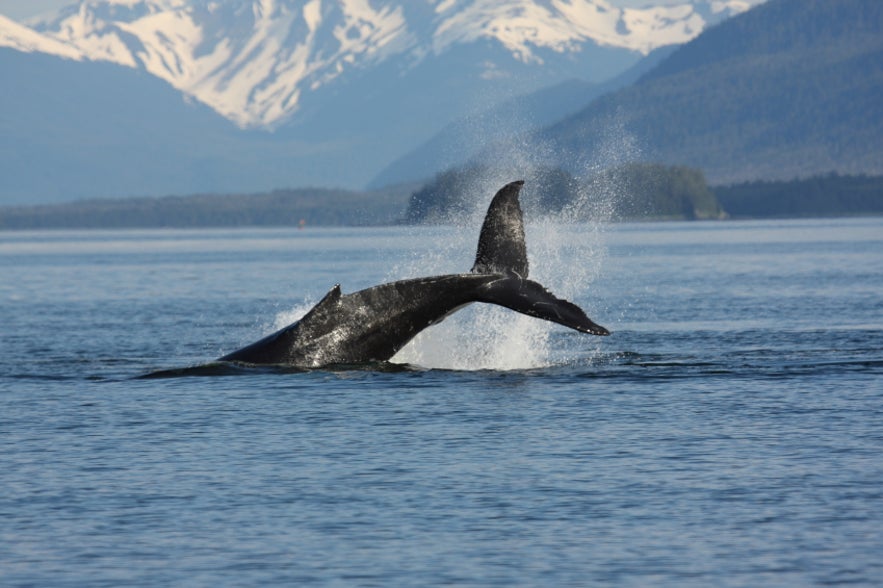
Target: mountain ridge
(253,62)
(789,89)
(511,118)
(339,130)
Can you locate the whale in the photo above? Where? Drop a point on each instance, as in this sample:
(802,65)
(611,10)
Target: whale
(373,324)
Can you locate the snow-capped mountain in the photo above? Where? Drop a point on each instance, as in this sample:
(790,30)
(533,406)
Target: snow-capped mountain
(255,61)
(149,97)
(21,38)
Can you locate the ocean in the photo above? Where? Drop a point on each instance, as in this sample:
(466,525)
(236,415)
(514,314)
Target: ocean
(728,433)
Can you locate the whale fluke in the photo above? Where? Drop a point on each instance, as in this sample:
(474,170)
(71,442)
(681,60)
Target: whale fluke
(531,298)
(501,246)
(373,324)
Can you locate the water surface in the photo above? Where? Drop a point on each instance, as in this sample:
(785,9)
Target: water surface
(728,433)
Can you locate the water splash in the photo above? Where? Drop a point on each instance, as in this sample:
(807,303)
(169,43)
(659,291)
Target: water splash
(566,251)
(287,317)
(566,259)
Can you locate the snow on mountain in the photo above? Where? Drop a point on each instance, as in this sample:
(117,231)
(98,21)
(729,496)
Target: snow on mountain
(21,38)
(250,61)
(564,25)
(254,61)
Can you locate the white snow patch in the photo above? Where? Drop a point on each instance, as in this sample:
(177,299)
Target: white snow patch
(21,38)
(253,60)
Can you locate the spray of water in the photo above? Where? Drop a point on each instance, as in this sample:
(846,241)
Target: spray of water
(566,252)
(286,317)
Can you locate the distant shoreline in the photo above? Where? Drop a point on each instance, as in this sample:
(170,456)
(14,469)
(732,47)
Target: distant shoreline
(825,196)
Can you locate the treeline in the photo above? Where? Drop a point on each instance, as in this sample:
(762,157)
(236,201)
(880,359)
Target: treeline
(277,208)
(633,191)
(828,195)
(630,192)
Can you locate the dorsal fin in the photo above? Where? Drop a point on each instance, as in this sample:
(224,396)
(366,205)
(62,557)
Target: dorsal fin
(325,305)
(501,247)
(331,298)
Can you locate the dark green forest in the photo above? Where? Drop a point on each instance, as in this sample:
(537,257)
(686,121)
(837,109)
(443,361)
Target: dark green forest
(633,191)
(307,207)
(630,192)
(828,195)
(790,89)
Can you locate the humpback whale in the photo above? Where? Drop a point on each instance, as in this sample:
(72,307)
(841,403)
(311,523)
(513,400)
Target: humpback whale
(371,325)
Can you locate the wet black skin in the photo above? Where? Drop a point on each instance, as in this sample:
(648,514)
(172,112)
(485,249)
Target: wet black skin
(374,324)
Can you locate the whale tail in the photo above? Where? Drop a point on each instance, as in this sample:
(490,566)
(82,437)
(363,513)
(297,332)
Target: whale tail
(501,247)
(502,250)
(532,298)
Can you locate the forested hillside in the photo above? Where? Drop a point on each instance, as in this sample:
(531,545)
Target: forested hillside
(629,192)
(789,89)
(829,195)
(634,191)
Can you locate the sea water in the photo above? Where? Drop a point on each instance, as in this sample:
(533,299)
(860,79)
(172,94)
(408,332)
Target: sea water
(728,433)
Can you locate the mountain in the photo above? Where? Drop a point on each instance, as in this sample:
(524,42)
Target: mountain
(62,140)
(255,62)
(59,138)
(21,38)
(468,136)
(289,93)
(789,89)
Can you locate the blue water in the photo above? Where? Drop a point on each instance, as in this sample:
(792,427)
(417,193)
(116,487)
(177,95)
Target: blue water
(728,433)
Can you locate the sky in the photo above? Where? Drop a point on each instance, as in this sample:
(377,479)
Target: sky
(23,9)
